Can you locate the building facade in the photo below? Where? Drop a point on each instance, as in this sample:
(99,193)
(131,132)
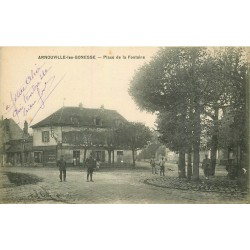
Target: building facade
(16,143)
(20,152)
(75,132)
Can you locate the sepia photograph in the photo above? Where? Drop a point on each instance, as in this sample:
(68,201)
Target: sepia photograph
(124,125)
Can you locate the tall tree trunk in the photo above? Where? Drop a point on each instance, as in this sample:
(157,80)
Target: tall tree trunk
(109,160)
(181,165)
(195,103)
(196,161)
(190,139)
(228,153)
(214,147)
(189,164)
(182,150)
(196,143)
(133,157)
(84,157)
(113,157)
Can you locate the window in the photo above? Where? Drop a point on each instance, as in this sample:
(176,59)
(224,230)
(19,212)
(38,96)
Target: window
(64,137)
(98,121)
(76,137)
(45,136)
(38,157)
(100,155)
(120,156)
(74,119)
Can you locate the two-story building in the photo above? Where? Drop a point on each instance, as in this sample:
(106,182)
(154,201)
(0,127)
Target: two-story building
(75,132)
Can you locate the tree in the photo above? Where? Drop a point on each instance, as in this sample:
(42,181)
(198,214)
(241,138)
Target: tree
(232,136)
(236,71)
(228,90)
(105,138)
(190,84)
(173,135)
(152,148)
(173,82)
(133,135)
(149,150)
(108,139)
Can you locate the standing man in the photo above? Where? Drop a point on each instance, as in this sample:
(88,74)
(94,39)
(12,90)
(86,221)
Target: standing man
(152,163)
(62,168)
(206,165)
(162,166)
(91,165)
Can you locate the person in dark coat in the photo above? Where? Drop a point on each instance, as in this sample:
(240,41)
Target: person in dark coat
(91,165)
(62,168)
(162,166)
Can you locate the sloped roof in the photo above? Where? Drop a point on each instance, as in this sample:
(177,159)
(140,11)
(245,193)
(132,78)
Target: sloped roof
(10,129)
(78,116)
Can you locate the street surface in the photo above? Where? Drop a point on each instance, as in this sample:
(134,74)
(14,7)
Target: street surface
(110,186)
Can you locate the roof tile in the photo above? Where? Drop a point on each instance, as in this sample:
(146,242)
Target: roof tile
(78,116)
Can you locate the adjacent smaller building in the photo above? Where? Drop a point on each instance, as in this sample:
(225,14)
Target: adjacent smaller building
(20,152)
(16,144)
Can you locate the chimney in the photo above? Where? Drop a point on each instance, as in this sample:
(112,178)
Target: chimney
(25,128)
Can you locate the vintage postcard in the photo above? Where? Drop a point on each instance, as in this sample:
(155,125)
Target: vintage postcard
(124,125)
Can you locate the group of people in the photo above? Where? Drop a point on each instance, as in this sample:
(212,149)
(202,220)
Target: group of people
(161,164)
(206,166)
(91,165)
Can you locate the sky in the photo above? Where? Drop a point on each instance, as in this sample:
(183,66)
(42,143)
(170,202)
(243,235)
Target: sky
(33,87)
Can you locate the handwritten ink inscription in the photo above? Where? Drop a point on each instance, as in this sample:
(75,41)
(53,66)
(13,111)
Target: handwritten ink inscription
(32,94)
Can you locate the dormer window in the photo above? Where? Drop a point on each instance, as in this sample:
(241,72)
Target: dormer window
(74,119)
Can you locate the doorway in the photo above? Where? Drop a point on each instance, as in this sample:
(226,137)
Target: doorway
(76,157)
(119,156)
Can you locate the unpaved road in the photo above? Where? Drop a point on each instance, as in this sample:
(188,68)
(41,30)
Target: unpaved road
(109,187)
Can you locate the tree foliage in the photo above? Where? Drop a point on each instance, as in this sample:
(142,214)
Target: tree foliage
(133,135)
(188,88)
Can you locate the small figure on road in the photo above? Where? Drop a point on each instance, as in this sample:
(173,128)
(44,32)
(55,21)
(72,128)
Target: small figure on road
(162,166)
(206,165)
(91,165)
(152,163)
(62,168)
